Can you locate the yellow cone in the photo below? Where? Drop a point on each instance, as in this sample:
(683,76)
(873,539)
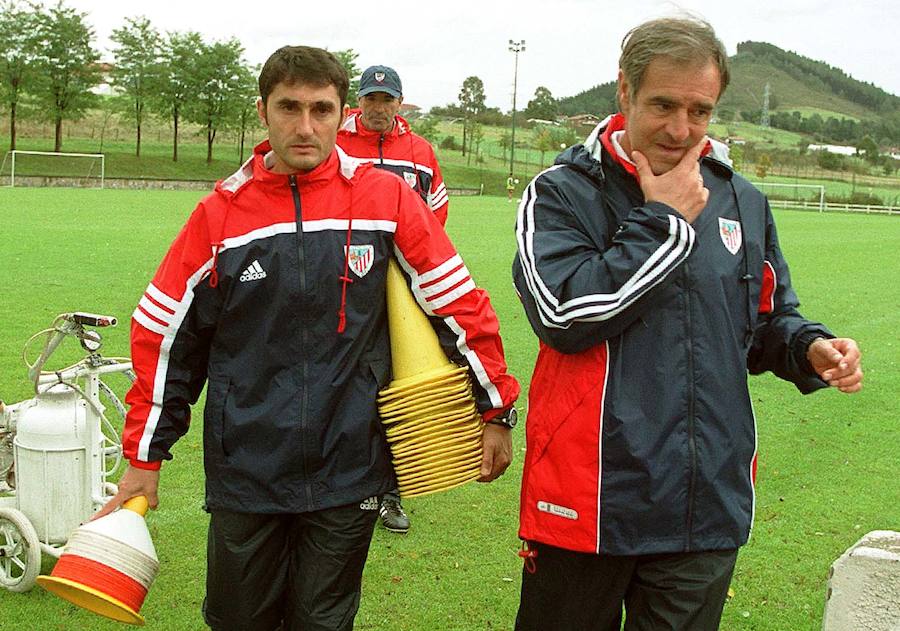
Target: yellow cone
(414,346)
(431,422)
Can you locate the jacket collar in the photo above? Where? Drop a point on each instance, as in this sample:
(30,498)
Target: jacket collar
(353,125)
(601,140)
(258,168)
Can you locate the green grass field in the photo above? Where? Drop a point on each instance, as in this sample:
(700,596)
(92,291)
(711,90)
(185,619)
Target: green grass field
(826,461)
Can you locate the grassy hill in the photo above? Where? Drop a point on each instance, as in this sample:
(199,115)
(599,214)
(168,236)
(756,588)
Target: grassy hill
(796,83)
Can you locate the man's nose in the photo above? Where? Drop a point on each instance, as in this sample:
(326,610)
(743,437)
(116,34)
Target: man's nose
(303,124)
(678,127)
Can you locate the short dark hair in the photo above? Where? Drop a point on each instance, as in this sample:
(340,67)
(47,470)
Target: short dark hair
(304,65)
(684,40)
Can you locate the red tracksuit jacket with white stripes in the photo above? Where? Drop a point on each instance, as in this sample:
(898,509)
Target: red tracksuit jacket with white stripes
(250,299)
(640,433)
(401,152)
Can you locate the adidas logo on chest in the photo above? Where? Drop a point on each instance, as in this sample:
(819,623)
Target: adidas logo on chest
(253,272)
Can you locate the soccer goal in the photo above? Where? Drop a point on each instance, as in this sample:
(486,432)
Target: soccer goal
(74,169)
(793,195)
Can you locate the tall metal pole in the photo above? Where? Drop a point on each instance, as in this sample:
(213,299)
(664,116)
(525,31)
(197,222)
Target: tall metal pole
(515,47)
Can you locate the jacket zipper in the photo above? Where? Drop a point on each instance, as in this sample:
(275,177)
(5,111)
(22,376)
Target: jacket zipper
(380,152)
(304,341)
(692,444)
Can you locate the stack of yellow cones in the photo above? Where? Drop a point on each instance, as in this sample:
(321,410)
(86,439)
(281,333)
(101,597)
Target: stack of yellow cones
(431,422)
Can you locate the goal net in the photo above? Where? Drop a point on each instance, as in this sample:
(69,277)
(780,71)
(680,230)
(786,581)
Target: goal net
(784,195)
(49,168)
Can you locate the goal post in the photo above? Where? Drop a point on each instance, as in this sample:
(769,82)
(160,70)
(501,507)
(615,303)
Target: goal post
(794,195)
(41,165)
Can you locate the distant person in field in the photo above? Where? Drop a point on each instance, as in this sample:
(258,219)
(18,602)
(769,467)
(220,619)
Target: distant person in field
(376,132)
(652,275)
(273,296)
(510,187)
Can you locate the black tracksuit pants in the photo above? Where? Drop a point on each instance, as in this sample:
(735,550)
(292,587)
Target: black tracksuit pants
(576,591)
(287,572)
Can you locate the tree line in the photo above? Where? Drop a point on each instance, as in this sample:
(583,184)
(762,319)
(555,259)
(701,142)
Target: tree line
(49,67)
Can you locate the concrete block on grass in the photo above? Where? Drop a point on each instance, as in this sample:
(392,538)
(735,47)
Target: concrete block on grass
(864,586)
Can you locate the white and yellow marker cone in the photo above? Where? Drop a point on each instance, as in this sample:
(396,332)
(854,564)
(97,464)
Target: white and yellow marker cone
(108,565)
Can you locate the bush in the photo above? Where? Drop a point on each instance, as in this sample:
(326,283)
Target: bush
(449,142)
(859,198)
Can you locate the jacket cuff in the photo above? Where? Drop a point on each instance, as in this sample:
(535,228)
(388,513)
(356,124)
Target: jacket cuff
(153,465)
(801,346)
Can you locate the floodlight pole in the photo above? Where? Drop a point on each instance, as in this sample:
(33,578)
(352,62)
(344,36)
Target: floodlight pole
(514,47)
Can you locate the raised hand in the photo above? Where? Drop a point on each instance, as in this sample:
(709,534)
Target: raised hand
(837,361)
(681,187)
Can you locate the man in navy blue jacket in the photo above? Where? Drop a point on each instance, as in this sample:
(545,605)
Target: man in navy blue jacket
(652,274)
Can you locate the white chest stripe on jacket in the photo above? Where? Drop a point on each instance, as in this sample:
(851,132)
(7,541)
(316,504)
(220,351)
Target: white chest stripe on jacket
(595,307)
(316,225)
(167,324)
(397,163)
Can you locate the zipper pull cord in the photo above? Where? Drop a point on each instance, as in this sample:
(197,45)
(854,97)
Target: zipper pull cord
(345,279)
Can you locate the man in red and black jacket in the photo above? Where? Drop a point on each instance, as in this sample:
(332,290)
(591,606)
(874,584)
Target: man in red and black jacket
(377,133)
(273,296)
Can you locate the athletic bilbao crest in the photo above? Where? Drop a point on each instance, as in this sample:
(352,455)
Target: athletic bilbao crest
(410,179)
(379,77)
(361,258)
(730,231)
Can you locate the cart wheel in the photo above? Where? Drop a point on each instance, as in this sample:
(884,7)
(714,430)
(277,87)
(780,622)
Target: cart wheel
(20,551)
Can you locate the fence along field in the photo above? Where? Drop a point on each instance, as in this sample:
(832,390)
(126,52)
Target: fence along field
(827,469)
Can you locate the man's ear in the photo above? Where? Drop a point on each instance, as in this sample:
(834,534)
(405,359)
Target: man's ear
(261,111)
(622,91)
(400,100)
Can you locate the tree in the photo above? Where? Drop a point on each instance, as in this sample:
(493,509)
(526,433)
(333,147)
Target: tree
(246,114)
(66,66)
(543,106)
(736,153)
(348,59)
(543,141)
(868,149)
(177,80)
(763,164)
(18,48)
(505,141)
(471,101)
(220,75)
(476,135)
(426,127)
(137,67)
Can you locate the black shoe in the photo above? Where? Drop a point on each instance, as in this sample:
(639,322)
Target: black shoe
(392,515)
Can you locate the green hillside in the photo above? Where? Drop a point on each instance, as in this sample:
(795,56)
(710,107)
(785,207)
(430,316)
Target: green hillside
(796,83)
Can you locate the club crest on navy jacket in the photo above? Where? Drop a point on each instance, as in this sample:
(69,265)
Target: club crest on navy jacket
(640,430)
(273,294)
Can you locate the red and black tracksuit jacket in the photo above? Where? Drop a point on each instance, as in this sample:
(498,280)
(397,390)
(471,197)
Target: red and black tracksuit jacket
(640,431)
(273,295)
(401,152)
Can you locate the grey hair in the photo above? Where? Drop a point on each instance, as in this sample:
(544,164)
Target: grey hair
(683,40)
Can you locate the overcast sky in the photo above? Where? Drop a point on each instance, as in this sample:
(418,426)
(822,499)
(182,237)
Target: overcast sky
(570,45)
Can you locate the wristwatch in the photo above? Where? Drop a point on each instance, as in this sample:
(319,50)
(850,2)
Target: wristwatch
(507,419)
